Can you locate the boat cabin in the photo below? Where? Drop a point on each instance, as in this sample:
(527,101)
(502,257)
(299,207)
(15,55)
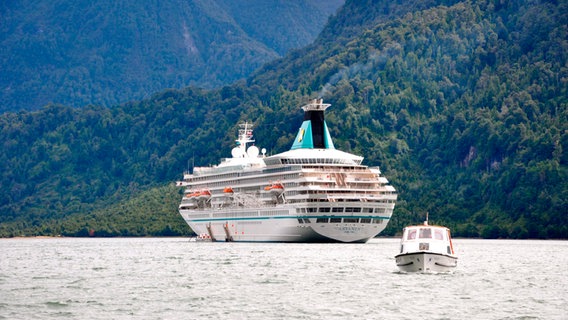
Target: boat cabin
(426,238)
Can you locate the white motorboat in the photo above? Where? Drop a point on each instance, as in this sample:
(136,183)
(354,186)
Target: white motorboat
(426,248)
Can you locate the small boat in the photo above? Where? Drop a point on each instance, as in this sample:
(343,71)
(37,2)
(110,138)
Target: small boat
(276,188)
(426,248)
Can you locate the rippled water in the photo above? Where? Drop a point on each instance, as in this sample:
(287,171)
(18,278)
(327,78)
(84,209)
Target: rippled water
(172,278)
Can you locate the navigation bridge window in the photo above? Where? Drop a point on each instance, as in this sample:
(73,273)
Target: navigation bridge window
(345,220)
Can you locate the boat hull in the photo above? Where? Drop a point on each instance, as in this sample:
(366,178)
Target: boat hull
(283,225)
(426,262)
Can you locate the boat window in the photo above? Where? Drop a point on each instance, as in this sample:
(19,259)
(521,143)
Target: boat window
(438,235)
(378,221)
(411,235)
(322,220)
(306,220)
(337,209)
(365,220)
(335,220)
(300,220)
(425,233)
(324,209)
(351,220)
(368,210)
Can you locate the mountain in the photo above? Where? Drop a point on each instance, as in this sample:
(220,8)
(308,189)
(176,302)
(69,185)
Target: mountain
(108,52)
(464,105)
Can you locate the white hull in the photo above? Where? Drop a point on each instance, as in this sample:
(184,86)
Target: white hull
(284,225)
(426,262)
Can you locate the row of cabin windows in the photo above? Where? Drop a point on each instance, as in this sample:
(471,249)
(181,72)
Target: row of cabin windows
(341,210)
(340,200)
(344,220)
(320,160)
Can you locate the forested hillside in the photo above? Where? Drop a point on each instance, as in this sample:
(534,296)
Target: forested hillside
(463,105)
(108,52)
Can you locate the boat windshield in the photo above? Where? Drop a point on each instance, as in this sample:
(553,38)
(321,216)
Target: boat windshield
(425,233)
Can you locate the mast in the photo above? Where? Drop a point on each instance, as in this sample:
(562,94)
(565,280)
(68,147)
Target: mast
(244,138)
(245,135)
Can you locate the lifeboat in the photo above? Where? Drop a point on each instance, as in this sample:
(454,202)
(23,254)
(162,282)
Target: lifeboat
(199,195)
(426,248)
(228,190)
(192,195)
(204,195)
(275,188)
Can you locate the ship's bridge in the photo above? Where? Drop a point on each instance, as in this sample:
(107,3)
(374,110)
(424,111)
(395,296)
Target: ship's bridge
(314,156)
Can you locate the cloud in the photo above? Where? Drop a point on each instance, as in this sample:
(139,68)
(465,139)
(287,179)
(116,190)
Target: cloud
(376,60)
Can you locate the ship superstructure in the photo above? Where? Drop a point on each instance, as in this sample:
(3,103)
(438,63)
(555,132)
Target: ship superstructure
(311,193)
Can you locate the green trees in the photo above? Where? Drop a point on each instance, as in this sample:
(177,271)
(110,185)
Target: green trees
(107,53)
(467,120)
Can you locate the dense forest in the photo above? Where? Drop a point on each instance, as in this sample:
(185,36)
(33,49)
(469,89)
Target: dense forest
(108,52)
(464,105)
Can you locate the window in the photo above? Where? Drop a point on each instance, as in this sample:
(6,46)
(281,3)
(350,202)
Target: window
(438,235)
(365,220)
(337,209)
(425,233)
(322,220)
(335,220)
(351,220)
(411,235)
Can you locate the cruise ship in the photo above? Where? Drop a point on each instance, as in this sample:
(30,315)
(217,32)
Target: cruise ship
(311,193)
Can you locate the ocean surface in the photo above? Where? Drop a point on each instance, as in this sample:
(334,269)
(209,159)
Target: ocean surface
(173,278)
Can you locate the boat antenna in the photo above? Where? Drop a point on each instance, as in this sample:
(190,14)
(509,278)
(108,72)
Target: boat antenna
(426,222)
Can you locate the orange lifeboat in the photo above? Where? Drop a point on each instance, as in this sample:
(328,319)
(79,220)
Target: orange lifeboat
(199,195)
(228,190)
(205,194)
(192,195)
(276,188)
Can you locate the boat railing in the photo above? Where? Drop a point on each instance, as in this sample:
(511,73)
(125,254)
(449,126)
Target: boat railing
(336,170)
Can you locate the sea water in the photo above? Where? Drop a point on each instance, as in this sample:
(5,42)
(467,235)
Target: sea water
(173,278)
